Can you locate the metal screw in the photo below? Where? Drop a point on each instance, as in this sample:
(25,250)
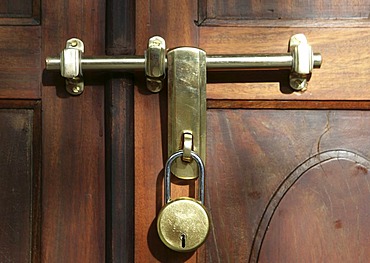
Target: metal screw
(76,89)
(73,43)
(154,85)
(299,84)
(74,86)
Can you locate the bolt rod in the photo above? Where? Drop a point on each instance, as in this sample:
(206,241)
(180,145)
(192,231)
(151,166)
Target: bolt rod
(214,62)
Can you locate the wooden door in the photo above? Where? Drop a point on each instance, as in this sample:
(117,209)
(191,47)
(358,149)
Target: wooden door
(66,163)
(287,173)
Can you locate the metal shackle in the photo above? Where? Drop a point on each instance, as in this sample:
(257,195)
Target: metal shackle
(167,179)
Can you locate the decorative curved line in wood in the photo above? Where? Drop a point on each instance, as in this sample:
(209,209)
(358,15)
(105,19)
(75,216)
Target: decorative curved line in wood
(288,183)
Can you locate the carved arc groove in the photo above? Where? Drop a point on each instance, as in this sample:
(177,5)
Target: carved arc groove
(288,183)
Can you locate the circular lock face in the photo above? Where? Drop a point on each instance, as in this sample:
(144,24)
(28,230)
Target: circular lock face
(183,224)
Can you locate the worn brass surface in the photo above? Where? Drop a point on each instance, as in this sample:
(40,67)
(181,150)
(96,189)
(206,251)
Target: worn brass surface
(155,66)
(183,224)
(186,105)
(70,66)
(214,62)
(187,146)
(303,62)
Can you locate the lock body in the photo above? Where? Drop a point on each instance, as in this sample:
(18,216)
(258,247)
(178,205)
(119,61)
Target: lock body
(183,223)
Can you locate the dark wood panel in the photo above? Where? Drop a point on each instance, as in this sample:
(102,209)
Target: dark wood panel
(16,8)
(120,27)
(247,163)
(73,143)
(20,12)
(20,65)
(120,168)
(344,73)
(325,214)
(296,9)
(119,125)
(174,21)
(230,12)
(287,104)
(19,181)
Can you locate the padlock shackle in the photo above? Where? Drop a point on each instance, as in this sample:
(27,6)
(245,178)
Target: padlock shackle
(167,179)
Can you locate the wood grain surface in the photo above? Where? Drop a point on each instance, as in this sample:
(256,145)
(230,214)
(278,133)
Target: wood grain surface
(343,75)
(73,204)
(247,163)
(20,159)
(20,12)
(281,10)
(119,117)
(20,64)
(119,136)
(319,212)
(295,13)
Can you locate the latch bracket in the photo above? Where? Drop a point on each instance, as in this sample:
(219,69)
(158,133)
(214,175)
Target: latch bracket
(186,107)
(155,63)
(303,60)
(70,66)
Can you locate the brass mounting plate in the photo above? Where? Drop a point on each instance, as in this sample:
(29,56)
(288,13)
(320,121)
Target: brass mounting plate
(186,105)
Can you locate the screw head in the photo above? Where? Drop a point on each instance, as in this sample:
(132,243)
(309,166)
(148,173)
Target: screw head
(298,84)
(76,89)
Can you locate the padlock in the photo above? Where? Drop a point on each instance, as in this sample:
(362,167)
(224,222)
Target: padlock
(183,223)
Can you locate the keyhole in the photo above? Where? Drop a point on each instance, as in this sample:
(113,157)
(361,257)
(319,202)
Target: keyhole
(183,240)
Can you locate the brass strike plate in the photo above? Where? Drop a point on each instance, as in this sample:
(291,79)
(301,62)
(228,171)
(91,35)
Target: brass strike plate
(186,106)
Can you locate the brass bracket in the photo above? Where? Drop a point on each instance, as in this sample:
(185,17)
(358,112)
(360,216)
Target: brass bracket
(187,146)
(303,59)
(186,107)
(70,66)
(155,63)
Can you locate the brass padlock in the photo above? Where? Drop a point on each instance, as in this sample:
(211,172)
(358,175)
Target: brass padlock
(183,223)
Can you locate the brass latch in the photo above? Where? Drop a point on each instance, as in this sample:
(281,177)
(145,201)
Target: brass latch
(186,70)
(186,108)
(300,60)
